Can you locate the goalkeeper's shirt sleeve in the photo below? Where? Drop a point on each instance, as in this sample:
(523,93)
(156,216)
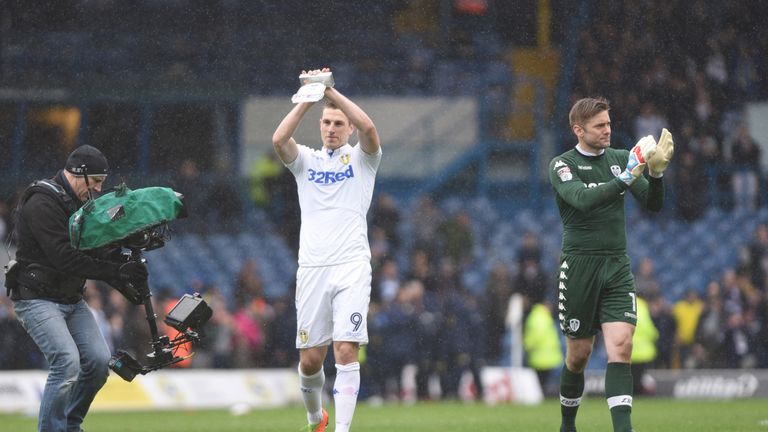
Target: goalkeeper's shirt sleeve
(571,189)
(649,193)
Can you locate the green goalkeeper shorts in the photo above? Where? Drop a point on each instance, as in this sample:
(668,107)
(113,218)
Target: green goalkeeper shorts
(593,290)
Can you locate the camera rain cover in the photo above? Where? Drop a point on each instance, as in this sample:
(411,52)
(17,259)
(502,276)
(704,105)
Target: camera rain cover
(121,213)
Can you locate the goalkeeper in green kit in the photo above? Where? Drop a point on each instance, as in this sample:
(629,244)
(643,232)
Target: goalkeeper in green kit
(596,289)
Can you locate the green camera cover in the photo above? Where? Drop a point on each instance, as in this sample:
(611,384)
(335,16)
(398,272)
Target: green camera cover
(119,214)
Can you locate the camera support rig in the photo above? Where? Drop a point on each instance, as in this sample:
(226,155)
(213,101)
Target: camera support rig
(187,316)
(137,220)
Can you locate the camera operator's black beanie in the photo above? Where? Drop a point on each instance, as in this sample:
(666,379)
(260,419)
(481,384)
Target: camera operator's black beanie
(91,157)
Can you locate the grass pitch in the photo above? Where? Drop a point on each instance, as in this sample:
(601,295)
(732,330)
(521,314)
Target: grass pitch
(649,415)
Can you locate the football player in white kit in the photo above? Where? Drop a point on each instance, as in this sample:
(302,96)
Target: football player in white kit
(333,282)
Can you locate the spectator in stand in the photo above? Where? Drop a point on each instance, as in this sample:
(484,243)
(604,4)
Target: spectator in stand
(455,238)
(649,121)
(455,352)
(219,331)
(396,339)
(708,342)
(529,248)
(734,295)
(478,354)
(758,259)
(381,247)
(261,176)
(251,323)
(498,290)
(252,318)
(280,346)
(762,333)
(705,145)
(645,279)
(386,282)
(386,216)
(541,339)
(745,178)
(664,322)
(249,284)
(746,75)
(737,343)
(690,206)
(644,350)
(421,269)
(424,220)
(430,325)
(687,312)
(704,110)
(531,283)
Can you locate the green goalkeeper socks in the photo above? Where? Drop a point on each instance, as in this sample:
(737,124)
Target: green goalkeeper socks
(618,393)
(571,389)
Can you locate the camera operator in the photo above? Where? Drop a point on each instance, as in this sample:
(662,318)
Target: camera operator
(47,284)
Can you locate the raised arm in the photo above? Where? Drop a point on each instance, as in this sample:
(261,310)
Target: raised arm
(282,139)
(369,137)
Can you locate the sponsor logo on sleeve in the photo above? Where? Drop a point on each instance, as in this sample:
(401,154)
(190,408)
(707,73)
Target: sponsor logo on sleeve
(564,174)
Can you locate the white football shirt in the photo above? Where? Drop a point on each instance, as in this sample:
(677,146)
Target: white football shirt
(335,192)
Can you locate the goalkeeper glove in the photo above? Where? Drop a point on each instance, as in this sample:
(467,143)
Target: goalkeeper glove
(659,161)
(638,156)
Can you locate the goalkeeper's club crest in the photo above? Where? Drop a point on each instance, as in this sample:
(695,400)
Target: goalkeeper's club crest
(615,170)
(574,324)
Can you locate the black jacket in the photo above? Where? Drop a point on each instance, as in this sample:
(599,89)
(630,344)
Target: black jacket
(42,231)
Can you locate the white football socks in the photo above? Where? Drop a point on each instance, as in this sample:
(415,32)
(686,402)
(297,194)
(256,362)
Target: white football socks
(345,390)
(312,393)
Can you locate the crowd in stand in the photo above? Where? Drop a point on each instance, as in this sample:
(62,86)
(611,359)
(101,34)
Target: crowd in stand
(423,314)
(690,67)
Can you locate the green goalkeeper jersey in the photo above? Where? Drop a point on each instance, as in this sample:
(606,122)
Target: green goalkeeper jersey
(590,198)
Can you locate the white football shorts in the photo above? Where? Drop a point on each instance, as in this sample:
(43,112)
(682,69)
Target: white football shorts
(332,304)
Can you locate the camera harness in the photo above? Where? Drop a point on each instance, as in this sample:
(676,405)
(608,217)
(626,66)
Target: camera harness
(51,188)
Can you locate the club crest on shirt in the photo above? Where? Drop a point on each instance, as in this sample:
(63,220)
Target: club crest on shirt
(344,159)
(574,325)
(303,336)
(615,170)
(565,174)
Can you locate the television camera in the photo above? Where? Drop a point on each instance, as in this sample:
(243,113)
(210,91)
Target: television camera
(138,221)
